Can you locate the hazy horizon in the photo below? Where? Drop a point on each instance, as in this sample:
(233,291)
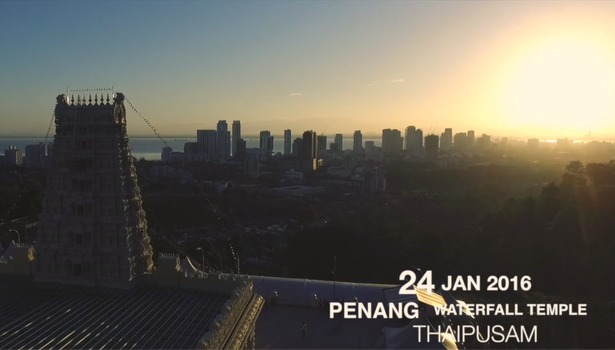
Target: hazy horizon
(508,69)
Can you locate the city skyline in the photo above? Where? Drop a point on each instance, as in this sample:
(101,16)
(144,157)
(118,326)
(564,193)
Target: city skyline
(539,69)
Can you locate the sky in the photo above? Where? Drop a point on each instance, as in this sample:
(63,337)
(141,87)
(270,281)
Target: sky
(520,68)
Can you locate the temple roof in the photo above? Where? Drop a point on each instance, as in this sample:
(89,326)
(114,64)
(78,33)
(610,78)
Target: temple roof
(74,318)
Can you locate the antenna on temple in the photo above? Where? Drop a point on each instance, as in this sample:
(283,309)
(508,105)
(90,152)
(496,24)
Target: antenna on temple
(78,99)
(95,99)
(90,99)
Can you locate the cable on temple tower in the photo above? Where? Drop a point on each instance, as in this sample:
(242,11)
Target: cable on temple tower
(147,122)
(53,118)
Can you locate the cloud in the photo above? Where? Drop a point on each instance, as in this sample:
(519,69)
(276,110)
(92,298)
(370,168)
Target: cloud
(391,81)
(295,94)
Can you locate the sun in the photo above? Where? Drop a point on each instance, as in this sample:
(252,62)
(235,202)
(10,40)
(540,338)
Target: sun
(563,84)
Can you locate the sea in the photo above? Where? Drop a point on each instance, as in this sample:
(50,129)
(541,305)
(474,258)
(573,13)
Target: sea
(150,148)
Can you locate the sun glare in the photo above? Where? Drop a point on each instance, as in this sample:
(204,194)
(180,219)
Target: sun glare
(565,85)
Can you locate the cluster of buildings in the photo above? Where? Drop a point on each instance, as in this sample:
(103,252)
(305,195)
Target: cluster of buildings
(36,156)
(304,152)
(222,145)
(211,145)
(309,151)
(431,145)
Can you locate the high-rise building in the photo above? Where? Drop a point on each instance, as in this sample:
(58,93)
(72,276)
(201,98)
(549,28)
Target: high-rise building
(298,147)
(35,155)
(431,146)
(166,155)
(321,146)
(266,143)
(241,149)
(192,148)
(470,140)
(532,144)
(223,147)
(410,133)
(208,141)
(369,147)
(287,142)
(235,136)
(13,156)
(92,229)
(446,139)
(419,141)
(339,142)
(460,142)
(309,145)
(414,141)
(391,141)
(483,142)
(357,145)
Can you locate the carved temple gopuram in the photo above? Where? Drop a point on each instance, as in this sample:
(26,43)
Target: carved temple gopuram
(89,281)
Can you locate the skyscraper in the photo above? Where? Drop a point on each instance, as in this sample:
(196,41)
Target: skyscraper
(92,229)
(241,149)
(471,141)
(339,142)
(419,137)
(236,135)
(224,140)
(298,147)
(391,141)
(446,139)
(13,156)
(460,142)
(35,155)
(369,147)
(266,143)
(309,145)
(207,141)
(321,146)
(483,142)
(414,141)
(166,155)
(431,146)
(287,142)
(410,130)
(357,145)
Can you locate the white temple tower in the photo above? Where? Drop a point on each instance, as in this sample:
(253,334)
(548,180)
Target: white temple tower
(92,229)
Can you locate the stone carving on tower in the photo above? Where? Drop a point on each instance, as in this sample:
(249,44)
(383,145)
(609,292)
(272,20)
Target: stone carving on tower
(92,229)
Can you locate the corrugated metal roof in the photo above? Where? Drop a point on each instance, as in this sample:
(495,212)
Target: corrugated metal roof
(76,319)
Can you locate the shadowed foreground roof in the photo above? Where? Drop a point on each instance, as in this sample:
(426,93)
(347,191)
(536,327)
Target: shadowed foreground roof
(75,319)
